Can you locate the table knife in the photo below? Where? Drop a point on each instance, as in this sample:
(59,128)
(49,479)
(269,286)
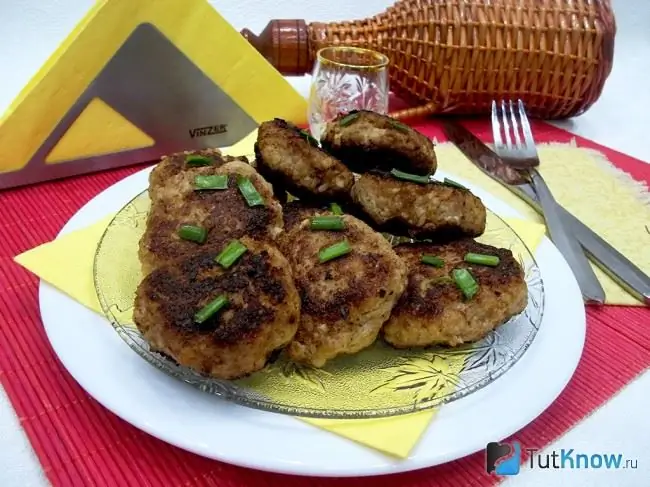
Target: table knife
(610,260)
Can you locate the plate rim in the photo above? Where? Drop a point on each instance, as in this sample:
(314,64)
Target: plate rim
(373,462)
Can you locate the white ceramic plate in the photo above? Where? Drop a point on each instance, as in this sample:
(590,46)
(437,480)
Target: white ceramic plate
(104,365)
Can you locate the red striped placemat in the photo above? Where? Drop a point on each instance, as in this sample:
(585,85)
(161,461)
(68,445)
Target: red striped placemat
(80,443)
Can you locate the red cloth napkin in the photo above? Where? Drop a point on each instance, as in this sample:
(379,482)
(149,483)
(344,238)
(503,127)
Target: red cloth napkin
(79,443)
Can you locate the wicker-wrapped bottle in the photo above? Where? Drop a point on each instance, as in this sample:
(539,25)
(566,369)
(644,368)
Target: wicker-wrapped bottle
(456,56)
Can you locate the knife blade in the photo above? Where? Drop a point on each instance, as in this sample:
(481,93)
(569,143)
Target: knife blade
(606,257)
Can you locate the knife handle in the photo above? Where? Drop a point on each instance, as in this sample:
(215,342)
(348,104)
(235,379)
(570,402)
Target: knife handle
(564,240)
(611,261)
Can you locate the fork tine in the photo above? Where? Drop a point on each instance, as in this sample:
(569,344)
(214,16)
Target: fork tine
(496,126)
(506,125)
(525,125)
(515,126)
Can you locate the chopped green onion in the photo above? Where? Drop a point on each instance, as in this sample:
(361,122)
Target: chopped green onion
(482,259)
(399,126)
(466,282)
(248,191)
(219,181)
(453,184)
(339,249)
(336,209)
(327,223)
(309,138)
(192,233)
(229,255)
(210,309)
(432,260)
(348,119)
(414,178)
(195,160)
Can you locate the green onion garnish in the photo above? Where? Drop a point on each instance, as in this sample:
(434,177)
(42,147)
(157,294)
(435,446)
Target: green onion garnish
(194,160)
(309,138)
(336,209)
(452,183)
(229,255)
(219,181)
(334,251)
(414,178)
(482,259)
(210,309)
(432,260)
(399,126)
(192,233)
(348,119)
(327,223)
(248,191)
(466,282)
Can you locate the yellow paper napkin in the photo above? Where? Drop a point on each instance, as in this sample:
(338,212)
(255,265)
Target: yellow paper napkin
(67,264)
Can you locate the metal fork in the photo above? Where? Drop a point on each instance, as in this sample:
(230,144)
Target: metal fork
(522,154)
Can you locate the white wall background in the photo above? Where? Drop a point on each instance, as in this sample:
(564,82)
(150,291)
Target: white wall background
(31,29)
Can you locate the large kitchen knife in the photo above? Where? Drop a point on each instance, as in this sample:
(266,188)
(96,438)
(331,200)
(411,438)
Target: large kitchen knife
(611,261)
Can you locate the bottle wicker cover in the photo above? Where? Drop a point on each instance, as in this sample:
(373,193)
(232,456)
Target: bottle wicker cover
(456,56)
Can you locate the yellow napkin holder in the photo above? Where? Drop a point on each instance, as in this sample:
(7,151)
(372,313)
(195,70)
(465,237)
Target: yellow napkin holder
(136,80)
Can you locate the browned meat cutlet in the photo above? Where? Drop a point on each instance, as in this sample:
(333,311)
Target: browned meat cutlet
(223,213)
(292,161)
(345,301)
(433,310)
(261,316)
(423,211)
(174,164)
(365,140)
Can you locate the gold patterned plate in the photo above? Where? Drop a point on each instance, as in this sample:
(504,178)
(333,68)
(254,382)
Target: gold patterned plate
(379,381)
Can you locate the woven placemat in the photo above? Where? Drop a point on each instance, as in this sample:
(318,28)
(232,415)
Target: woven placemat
(80,443)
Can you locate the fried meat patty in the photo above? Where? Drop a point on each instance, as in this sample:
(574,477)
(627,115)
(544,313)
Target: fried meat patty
(345,301)
(365,140)
(415,210)
(290,160)
(223,213)
(174,164)
(433,310)
(261,316)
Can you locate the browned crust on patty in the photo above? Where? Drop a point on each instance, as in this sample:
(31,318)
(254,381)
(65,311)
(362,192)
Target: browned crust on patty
(173,164)
(345,301)
(223,213)
(375,141)
(431,211)
(433,310)
(286,158)
(262,315)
